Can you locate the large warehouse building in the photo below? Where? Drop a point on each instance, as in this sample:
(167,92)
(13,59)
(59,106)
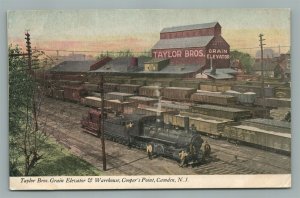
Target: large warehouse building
(182,51)
(200,44)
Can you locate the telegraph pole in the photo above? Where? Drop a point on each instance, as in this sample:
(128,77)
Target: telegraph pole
(28,49)
(101,121)
(262,68)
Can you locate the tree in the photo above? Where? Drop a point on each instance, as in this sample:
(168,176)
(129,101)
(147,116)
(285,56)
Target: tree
(246,61)
(25,95)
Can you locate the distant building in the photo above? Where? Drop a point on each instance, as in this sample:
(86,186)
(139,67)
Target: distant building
(270,65)
(274,67)
(78,67)
(268,53)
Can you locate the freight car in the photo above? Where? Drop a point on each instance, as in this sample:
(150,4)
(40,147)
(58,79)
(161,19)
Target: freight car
(267,139)
(144,132)
(211,126)
(116,106)
(128,88)
(268,90)
(140,100)
(269,124)
(91,101)
(118,96)
(150,91)
(235,114)
(177,93)
(73,94)
(213,98)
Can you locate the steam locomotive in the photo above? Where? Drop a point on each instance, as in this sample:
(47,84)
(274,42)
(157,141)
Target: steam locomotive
(149,133)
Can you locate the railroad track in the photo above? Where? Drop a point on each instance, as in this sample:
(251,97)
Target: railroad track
(63,122)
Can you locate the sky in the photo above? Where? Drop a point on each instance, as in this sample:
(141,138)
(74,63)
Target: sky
(138,30)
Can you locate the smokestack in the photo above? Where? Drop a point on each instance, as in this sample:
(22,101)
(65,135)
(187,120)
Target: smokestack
(186,124)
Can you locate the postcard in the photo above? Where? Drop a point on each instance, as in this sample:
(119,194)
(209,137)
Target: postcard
(149,99)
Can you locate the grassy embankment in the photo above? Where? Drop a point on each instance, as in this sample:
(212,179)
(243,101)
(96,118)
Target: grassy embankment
(58,161)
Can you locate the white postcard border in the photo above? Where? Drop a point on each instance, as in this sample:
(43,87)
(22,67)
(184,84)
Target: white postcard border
(150,182)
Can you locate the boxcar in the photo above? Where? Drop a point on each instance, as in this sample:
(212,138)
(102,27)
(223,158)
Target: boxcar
(118,96)
(214,87)
(91,87)
(151,111)
(190,83)
(283,92)
(91,101)
(173,106)
(117,105)
(269,91)
(212,98)
(223,112)
(74,93)
(274,102)
(150,91)
(270,125)
(259,137)
(128,88)
(202,123)
(177,93)
(140,100)
(111,87)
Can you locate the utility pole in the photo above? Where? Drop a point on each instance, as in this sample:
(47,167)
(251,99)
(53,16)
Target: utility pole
(262,68)
(101,123)
(28,49)
(31,72)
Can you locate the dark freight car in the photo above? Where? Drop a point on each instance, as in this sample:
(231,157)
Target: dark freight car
(111,87)
(74,93)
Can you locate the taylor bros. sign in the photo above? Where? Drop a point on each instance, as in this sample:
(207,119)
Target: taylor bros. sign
(192,53)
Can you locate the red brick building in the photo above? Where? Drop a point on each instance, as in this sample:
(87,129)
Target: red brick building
(200,44)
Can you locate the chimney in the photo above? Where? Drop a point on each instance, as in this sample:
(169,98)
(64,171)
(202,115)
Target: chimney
(213,70)
(186,124)
(133,62)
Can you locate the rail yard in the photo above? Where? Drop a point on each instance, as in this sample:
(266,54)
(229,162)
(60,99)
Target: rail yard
(61,119)
(185,110)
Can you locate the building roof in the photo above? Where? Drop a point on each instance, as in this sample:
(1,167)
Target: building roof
(199,41)
(223,73)
(156,60)
(189,27)
(122,64)
(73,66)
(176,69)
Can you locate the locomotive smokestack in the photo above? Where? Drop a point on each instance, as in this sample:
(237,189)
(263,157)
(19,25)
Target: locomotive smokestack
(186,124)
